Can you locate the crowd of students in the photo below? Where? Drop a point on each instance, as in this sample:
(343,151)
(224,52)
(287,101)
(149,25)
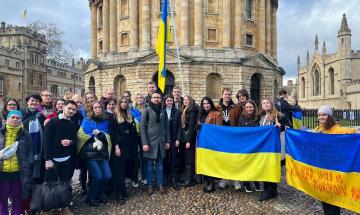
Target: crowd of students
(111,139)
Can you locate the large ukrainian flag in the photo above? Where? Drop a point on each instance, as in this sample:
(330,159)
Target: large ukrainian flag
(239,153)
(325,166)
(161,46)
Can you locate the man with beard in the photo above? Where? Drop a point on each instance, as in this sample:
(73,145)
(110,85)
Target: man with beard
(151,87)
(155,139)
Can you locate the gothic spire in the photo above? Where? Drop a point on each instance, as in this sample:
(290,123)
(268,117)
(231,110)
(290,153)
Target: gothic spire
(324,48)
(344,28)
(316,43)
(298,60)
(307,58)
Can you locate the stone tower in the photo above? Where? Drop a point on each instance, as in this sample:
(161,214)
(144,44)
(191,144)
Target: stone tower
(223,43)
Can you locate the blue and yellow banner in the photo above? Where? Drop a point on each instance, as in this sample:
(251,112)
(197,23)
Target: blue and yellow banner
(325,166)
(239,153)
(161,46)
(297,119)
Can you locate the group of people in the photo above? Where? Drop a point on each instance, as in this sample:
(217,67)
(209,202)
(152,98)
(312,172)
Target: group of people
(111,139)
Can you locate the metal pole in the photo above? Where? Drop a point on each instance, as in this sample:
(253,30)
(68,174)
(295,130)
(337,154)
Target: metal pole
(177,47)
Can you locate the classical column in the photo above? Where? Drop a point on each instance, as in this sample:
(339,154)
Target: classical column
(274,32)
(184,22)
(145,20)
(198,24)
(226,24)
(113,25)
(262,26)
(238,24)
(93,31)
(133,9)
(268,26)
(106,26)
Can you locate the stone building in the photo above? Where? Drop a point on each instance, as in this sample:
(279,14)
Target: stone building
(24,69)
(223,43)
(332,79)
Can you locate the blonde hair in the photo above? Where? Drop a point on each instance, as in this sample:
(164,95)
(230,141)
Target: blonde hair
(120,115)
(68,95)
(184,110)
(274,113)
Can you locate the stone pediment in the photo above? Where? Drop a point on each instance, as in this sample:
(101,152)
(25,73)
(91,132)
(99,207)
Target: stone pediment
(91,65)
(171,57)
(259,60)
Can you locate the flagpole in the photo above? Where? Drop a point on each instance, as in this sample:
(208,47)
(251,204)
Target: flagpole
(177,48)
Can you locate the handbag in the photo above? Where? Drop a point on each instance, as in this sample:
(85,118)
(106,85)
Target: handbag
(51,195)
(9,151)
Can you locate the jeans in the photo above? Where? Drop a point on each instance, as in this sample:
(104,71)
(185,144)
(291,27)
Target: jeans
(13,190)
(149,164)
(100,174)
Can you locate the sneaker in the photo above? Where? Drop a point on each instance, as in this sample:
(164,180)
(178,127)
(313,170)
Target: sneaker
(237,185)
(257,187)
(144,181)
(135,184)
(223,184)
(247,188)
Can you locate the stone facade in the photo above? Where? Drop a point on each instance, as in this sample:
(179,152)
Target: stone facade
(24,69)
(223,43)
(332,79)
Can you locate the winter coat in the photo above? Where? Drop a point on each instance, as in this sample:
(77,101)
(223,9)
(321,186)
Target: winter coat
(336,129)
(124,135)
(154,134)
(175,125)
(214,117)
(248,122)
(284,107)
(25,156)
(189,131)
(233,112)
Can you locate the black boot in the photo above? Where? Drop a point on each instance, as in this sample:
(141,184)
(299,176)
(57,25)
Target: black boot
(209,187)
(270,191)
(120,198)
(173,183)
(188,177)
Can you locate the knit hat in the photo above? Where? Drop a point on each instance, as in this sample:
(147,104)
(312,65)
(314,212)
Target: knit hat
(326,109)
(15,112)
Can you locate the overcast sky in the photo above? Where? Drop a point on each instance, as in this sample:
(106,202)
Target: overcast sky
(298,22)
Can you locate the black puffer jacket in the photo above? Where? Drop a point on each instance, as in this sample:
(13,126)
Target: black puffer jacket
(25,157)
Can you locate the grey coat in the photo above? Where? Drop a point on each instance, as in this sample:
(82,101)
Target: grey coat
(25,156)
(154,134)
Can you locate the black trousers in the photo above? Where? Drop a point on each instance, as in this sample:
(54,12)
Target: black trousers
(330,209)
(270,187)
(61,170)
(171,160)
(117,166)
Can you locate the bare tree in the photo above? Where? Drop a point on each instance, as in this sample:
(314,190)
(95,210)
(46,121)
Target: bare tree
(56,48)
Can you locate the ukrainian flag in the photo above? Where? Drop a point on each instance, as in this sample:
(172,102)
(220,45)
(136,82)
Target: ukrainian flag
(161,46)
(325,166)
(297,119)
(239,153)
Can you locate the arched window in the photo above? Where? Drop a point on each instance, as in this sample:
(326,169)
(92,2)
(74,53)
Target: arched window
(255,84)
(317,83)
(303,87)
(169,81)
(92,84)
(331,81)
(119,85)
(213,86)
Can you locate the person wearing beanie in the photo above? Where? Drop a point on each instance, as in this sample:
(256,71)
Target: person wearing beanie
(327,125)
(15,168)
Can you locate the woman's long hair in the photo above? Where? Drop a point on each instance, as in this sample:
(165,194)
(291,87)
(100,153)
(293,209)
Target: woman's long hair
(140,107)
(185,109)
(55,103)
(329,123)
(122,115)
(90,114)
(255,114)
(211,102)
(273,112)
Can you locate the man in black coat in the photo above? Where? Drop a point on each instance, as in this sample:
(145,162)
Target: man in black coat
(283,105)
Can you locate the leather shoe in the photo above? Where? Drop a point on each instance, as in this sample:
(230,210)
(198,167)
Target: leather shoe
(149,190)
(162,189)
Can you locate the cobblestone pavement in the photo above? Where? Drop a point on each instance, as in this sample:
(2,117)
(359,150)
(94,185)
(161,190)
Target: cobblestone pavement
(193,201)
